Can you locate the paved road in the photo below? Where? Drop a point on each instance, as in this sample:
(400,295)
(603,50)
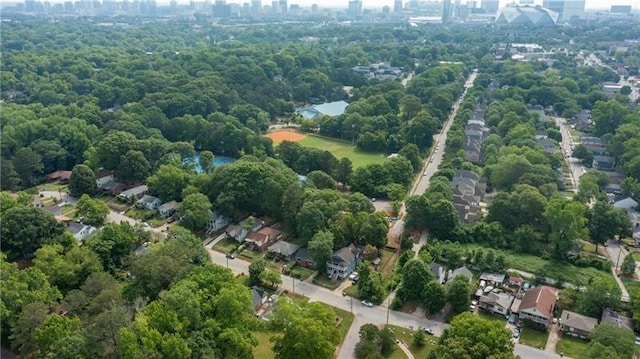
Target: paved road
(576,169)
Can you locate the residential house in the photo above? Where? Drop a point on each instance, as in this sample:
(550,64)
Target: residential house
(240,231)
(439,271)
(304,259)
(331,109)
(541,134)
(577,325)
(80,231)
(614,318)
(462,271)
(260,241)
(495,280)
(547,144)
(537,305)
(103,177)
(611,89)
(498,303)
(134,194)
(168,209)
(113,188)
(606,163)
(627,204)
(343,262)
(216,222)
(590,141)
(283,250)
(467,194)
(149,202)
(59,176)
(258,298)
(515,281)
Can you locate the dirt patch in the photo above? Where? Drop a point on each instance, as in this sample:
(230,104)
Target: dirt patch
(280,136)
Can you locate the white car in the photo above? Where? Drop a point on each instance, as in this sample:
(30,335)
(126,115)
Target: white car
(367,303)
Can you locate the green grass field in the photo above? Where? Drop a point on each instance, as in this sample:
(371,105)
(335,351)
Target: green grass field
(534,338)
(571,347)
(343,149)
(405,335)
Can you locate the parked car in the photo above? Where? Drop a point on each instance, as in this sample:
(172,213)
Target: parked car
(353,275)
(429,331)
(367,303)
(230,255)
(516,334)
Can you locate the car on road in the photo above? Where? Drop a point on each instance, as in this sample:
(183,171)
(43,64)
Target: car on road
(429,331)
(516,334)
(637,340)
(367,303)
(230,255)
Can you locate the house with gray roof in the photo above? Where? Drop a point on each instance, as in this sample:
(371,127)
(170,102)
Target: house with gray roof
(343,262)
(614,318)
(149,202)
(576,325)
(284,250)
(167,209)
(80,231)
(133,194)
(439,271)
(304,258)
(498,303)
(462,271)
(606,163)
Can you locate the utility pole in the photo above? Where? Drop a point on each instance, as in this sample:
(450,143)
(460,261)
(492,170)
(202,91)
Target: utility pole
(227,260)
(618,260)
(351,305)
(388,308)
(293,280)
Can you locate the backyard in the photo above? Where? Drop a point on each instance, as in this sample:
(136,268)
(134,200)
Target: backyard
(571,346)
(534,338)
(532,264)
(338,148)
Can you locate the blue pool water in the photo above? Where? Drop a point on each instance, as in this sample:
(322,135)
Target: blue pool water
(217,161)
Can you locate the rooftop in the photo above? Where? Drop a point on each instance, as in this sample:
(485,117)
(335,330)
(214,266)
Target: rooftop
(578,321)
(284,248)
(541,299)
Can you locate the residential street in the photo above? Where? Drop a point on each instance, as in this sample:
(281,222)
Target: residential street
(576,169)
(376,315)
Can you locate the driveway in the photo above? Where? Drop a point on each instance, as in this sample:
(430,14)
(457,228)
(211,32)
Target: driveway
(553,338)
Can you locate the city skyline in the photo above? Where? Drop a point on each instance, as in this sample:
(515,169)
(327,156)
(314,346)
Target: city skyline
(590,4)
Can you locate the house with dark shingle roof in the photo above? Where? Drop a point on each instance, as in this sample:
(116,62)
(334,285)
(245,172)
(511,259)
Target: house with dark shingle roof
(577,325)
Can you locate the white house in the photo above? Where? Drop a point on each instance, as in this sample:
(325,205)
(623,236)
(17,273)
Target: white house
(80,231)
(104,177)
(149,202)
(167,209)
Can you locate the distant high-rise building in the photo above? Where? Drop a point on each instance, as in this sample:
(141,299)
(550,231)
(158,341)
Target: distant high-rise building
(221,9)
(446,10)
(566,8)
(456,8)
(283,6)
(315,8)
(386,9)
(355,8)
(526,2)
(256,6)
(572,9)
(491,6)
(397,6)
(275,6)
(620,9)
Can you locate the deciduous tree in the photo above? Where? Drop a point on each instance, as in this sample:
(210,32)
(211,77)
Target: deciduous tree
(321,249)
(458,294)
(93,211)
(82,181)
(25,229)
(194,211)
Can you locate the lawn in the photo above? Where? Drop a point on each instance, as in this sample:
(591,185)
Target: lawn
(631,284)
(492,317)
(264,349)
(571,346)
(533,338)
(352,290)
(141,214)
(226,245)
(636,256)
(343,149)
(300,272)
(532,264)
(250,255)
(387,264)
(324,281)
(405,335)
